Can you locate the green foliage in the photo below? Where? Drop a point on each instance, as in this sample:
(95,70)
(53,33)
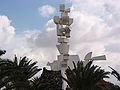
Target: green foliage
(84,77)
(37,85)
(115,73)
(49,80)
(15,74)
(2,52)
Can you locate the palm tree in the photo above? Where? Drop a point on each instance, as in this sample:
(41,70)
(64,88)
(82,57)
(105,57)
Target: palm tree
(115,73)
(2,52)
(36,84)
(84,77)
(16,73)
(2,82)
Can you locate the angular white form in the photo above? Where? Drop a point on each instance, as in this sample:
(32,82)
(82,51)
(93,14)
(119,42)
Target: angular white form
(64,60)
(64,40)
(63,48)
(89,57)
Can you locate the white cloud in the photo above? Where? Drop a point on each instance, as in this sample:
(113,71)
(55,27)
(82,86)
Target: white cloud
(36,45)
(96,28)
(50,26)
(46,10)
(6,31)
(113,47)
(95,22)
(44,43)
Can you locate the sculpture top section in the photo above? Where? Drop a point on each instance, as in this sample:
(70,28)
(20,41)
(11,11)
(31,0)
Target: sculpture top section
(63,22)
(64,18)
(62,8)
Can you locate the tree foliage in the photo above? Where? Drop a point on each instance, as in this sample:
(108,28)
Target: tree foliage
(49,80)
(84,77)
(115,73)
(15,74)
(18,74)
(2,52)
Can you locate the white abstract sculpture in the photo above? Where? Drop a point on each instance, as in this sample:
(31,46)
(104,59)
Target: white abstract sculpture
(63,23)
(89,57)
(64,60)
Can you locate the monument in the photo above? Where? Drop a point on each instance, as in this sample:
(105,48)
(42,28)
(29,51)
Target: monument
(64,60)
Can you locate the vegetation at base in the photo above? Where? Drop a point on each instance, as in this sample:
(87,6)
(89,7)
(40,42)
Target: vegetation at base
(115,73)
(2,52)
(19,74)
(49,80)
(15,74)
(84,77)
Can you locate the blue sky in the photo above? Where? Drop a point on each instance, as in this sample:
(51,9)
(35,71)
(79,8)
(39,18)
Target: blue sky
(24,13)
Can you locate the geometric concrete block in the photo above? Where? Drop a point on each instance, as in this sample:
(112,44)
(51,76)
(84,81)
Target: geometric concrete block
(54,65)
(64,20)
(103,57)
(89,57)
(62,7)
(63,40)
(67,35)
(66,57)
(63,48)
(70,21)
(73,58)
(59,32)
(56,19)
(63,64)
(63,57)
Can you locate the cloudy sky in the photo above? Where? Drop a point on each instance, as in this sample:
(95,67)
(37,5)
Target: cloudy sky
(27,29)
